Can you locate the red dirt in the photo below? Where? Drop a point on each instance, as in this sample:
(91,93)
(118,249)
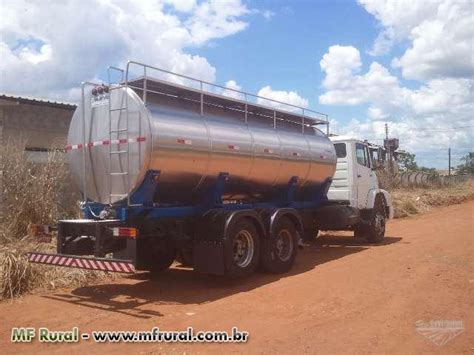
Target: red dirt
(342,296)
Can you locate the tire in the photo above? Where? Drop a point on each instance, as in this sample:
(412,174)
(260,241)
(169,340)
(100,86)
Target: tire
(376,230)
(161,256)
(279,250)
(359,232)
(242,253)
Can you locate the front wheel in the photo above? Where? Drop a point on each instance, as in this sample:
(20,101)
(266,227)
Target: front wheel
(376,230)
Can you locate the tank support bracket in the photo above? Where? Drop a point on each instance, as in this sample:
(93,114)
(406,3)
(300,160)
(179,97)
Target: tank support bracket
(214,198)
(288,195)
(145,193)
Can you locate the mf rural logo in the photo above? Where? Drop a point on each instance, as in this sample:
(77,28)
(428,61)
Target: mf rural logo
(440,332)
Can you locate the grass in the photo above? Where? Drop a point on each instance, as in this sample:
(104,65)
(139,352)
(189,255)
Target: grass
(411,201)
(34,194)
(18,276)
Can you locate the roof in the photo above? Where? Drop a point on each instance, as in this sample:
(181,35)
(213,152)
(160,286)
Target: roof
(38,101)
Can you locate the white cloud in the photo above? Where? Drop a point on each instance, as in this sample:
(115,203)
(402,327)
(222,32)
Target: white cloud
(35,57)
(397,19)
(216,19)
(232,85)
(438,37)
(48,50)
(267,14)
(443,103)
(345,86)
(440,32)
(182,5)
(287,97)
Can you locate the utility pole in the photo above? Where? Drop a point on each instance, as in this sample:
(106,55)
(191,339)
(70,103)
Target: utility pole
(390,170)
(449,161)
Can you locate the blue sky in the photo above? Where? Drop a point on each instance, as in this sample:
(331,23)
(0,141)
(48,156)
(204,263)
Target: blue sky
(284,51)
(366,63)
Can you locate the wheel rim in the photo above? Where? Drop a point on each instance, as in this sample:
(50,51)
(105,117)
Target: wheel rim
(243,248)
(284,245)
(379,224)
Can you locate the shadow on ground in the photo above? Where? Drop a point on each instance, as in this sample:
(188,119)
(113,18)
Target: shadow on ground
(131,295)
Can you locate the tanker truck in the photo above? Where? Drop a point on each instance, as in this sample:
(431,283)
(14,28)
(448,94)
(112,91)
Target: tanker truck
(174,167)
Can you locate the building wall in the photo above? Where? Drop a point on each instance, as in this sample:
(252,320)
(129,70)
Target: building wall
(38,125)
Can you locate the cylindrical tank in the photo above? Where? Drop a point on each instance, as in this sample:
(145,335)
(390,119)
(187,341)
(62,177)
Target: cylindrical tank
(115,139)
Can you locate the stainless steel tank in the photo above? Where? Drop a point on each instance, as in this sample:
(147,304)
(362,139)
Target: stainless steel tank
(191,144)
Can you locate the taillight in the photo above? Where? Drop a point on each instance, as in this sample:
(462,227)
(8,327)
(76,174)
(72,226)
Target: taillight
(126,232)
(42,233)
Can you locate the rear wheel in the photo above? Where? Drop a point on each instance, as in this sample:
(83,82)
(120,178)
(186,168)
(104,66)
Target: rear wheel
(185,256)
(279,250)
(160,257)
(242,253)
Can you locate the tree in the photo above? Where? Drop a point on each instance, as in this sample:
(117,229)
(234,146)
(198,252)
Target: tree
(467,164)
(406,161)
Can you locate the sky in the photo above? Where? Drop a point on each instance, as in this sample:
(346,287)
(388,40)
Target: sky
(409,64)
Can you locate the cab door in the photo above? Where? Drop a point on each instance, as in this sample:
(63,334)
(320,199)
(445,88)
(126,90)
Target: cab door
(363,174)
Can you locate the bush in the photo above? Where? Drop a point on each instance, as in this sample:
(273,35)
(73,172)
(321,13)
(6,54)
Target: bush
(17,275)
(33,192)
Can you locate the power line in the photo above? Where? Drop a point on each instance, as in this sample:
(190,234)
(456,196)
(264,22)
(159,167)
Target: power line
(444,129)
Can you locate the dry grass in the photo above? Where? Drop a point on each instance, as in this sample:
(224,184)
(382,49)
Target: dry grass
(412,201)
(34,194)
(18,276)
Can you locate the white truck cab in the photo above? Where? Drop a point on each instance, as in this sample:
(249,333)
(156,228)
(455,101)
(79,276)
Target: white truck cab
(355,200)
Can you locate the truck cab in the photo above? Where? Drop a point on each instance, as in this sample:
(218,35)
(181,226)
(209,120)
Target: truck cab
(355,185)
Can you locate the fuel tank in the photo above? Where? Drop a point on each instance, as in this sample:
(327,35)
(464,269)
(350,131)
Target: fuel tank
(190,138)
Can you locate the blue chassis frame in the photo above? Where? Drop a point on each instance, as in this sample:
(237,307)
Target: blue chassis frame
(141,201)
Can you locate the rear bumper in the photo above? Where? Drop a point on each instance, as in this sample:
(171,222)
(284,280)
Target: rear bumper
(82,262)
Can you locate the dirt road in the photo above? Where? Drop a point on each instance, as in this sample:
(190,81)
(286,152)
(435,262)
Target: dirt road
(342,296)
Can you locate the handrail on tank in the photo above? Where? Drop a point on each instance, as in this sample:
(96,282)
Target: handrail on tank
(110,69)
(245,94)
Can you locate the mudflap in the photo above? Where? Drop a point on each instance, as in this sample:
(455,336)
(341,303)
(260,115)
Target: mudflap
(209,243)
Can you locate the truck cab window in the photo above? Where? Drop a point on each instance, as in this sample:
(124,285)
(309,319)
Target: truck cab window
(360,154)
(340,150)
(369,162)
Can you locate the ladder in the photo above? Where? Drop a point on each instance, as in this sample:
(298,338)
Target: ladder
(119,151)
(118,130)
